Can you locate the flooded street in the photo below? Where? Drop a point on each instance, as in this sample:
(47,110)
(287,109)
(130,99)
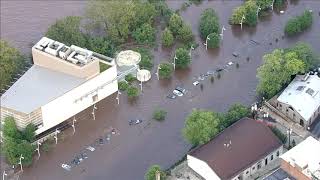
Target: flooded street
(128,155)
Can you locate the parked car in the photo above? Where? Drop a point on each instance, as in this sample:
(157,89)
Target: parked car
(84,155)
(235,54)
(195,83)
(177,93)
(171,96)
(135,121)
(181,89)
(75,161)
(219,69)
(90,148)
(66,167)
(210,72)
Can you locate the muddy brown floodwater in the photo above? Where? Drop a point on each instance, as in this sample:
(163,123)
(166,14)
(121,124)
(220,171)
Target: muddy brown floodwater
(129,154)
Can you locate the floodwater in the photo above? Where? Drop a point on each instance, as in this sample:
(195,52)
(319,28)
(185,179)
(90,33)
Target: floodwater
(129,154)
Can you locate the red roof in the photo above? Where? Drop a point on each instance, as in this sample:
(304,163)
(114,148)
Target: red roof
(237,147)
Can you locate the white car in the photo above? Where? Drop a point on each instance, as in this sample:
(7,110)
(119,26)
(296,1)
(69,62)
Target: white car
(195,83)
(90,148)
(177,93)
(66,167)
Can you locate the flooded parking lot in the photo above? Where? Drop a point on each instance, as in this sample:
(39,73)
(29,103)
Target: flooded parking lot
(128,155)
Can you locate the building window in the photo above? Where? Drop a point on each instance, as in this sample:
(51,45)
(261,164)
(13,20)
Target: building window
(253,168)
(247,172)
(259,165)
(271,157)
(281,105)
(278,153)
(266,161)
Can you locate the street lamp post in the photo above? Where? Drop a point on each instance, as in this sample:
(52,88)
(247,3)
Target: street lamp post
(118,97)
(20,162)
(174,61)
(206,44)
(289,131)
(38,149)
(93,109)
(259,8)
(157,73)
(4,174)
(73,124)
(243,18)
(191,48)
(223,29)
(272,5)
(56,135)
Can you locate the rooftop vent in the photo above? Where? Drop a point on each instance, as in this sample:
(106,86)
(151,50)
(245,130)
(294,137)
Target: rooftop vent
(310,91)
(300,88)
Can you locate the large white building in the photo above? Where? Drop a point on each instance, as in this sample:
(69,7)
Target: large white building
(62,82)
(240,151)
(300,101)
(303,161)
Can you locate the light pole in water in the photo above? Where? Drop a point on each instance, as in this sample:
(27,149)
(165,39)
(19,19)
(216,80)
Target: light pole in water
(56,135)
(259,8)
(206,44)
(223,29)
(289,131)
(174,61)
(93,113)
(20,162)
(191,48)
(157,73)
(38,148)
(4,174)
(73,124)
(118,97)
(243,18)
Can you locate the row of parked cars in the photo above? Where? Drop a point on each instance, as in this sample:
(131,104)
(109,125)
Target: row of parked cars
(84,153)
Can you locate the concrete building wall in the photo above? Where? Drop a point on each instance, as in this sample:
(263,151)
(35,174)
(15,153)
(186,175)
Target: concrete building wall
(293,171)
(259,165)
(79,99)
(201,168)
(51,62)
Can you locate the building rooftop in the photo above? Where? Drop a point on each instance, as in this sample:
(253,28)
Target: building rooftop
(37,87)
(237,147)
(306,156)
(279,174)
(303,94)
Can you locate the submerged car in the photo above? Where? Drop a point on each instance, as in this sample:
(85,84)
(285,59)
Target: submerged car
(135,121)
(181,89)
(90,148)
(66,167)
(195,83)
(171,96)
(177,93)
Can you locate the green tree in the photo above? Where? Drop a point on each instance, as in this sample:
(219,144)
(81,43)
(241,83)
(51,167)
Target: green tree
(167,38)
(165,71)
(209,23)
(29,133)
(159,114)
(264,4)
(235,113)
(123,85)
(183,58)
(146,58)
(101,45)
(249,10)
(132,92)
(145,34)
(11,62)
(298,23)
(185,33)
(10,129)
(276,71)
(305,53)
(175,24)
(117,17)
(145,12)
(214,40)
(201,126)
(27,151)
(67,31)
(130,78)
(152,171)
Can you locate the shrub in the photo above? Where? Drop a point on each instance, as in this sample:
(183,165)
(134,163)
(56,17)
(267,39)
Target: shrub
(159,114)
(209,23)
(151,173)
(167,38)
(214,40)
(129,78)
(175,24)
(145,34)
(298,23)
(101,45)
(185,33)
(183,58)
(132,92)
(165,71)
(146,58)
(249,10)
(123,85)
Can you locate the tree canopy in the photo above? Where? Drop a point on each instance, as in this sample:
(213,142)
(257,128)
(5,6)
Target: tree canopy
(299,23)
(167,38)
(214,40)
(144,34)
(276,71)
(249,10)
(209,23)
(165,71)
(235,112)
(201,126)
(183,58)
(11,62)
(152,171)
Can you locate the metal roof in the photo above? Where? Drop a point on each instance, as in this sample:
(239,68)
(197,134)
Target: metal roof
(303,94)
(37,87)
(237,147)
